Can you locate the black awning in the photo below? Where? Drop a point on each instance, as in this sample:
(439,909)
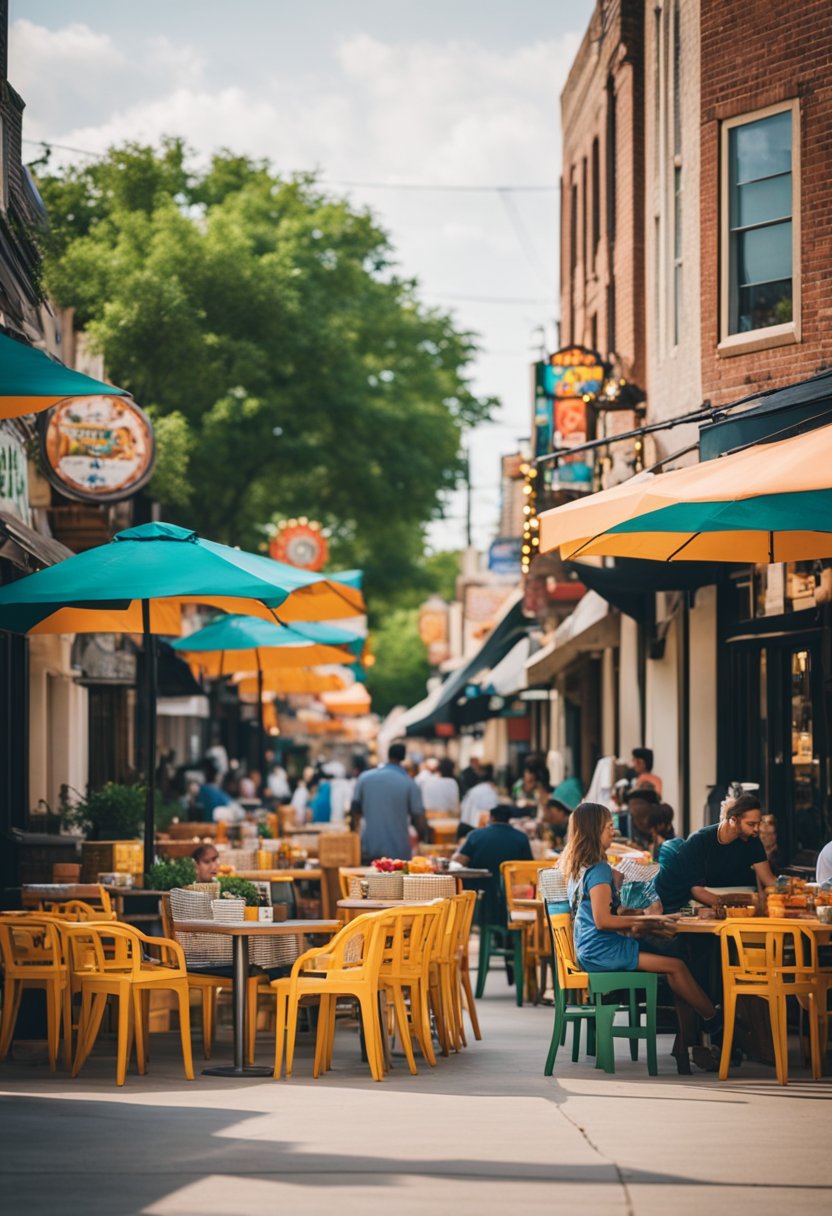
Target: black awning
(630,584)
(779,415)
(174,676)
(513,626)
(26,548)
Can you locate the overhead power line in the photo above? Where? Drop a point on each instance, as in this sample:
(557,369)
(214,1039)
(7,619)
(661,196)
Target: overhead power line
(369,185)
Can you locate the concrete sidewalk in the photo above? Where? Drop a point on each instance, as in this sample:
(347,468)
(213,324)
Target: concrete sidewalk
(484,1133)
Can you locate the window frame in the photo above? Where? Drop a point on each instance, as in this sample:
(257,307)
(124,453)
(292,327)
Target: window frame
(771,335)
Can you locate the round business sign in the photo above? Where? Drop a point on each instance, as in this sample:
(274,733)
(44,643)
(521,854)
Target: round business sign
(97,449)
(300,544)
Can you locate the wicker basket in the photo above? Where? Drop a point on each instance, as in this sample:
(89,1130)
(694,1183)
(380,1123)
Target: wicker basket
(354,888)
(339,849)
(428,886)
(385,886)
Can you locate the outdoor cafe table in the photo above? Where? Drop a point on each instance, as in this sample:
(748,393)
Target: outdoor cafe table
(240,932)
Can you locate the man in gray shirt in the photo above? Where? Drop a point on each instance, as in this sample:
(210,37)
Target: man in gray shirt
(387,799)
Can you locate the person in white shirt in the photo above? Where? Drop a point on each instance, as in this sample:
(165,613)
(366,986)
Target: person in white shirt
(480,799)
(824,864)
(278,783)
(341,789)
(301,796)
(440,791)
(427,769)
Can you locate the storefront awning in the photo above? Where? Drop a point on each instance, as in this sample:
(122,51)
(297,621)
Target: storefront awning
(441,707)
(787,411)
(631,583)
(26,548)
(590,627)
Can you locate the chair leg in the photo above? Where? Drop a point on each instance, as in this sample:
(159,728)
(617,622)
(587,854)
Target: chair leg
(138,1028)
(12,993)
(519,965)
(557,1029)
(484,959)
(403,1026)
(291,1030)
(372,1034)
(124,1003)
(322,1037)
(814,1036)
(185,1029)
(650,1022)
(209,1004)
(92,1014)
(279,1031)
(53,1023)
(470,1004)
(729,1016)
(251,1019)
(604,1018)
(67,1017)
(634,1020)
(779,1033)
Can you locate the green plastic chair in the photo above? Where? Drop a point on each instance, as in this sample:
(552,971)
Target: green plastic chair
(497,940)
(599,1016)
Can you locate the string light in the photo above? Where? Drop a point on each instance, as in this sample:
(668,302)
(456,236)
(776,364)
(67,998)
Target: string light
(531,541)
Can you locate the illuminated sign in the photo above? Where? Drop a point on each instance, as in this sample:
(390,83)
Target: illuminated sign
(301,543)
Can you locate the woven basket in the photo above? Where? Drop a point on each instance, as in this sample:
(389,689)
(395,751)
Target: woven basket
(428,886)
(354,888)
(228,909)
(385,886)
(339,849)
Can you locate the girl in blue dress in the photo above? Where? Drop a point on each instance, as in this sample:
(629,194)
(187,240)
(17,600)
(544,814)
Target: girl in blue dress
(608,941)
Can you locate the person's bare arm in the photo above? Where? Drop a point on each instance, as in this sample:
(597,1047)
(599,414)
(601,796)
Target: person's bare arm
(706,897)
(600,897)
(765,875)
(462,859)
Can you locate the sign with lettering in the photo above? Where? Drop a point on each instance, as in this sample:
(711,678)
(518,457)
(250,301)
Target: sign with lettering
(97,449)
(14,476)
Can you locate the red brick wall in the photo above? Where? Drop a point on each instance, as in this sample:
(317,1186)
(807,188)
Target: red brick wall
(756,53)
(612,47)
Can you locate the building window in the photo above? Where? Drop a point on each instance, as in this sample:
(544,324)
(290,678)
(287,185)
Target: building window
(760,232)
(596,199)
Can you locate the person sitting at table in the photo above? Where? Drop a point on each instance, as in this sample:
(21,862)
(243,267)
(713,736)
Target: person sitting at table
(216,804)
(726,855)
(640,802)
(553,823)
(664,840)
(440,791)
(486,849)
(608,941)
(478,802)
(207,861)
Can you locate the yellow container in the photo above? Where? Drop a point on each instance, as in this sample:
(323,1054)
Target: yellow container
(264,859)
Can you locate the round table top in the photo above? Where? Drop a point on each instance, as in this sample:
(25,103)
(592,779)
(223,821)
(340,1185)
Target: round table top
(257,928)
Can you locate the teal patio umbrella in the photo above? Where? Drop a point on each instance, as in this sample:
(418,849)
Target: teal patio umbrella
(233,644)
(30,381)
(154,565)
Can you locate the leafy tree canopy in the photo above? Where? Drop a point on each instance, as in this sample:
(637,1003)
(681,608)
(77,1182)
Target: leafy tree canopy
(289,368)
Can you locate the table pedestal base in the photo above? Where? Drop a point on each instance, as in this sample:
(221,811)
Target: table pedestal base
(231,1070)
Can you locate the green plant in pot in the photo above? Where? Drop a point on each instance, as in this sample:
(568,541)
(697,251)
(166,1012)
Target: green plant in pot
(239,888)
(115,812)
(171,872)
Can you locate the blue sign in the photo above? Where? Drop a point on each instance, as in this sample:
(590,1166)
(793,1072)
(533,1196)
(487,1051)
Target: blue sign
(504,555)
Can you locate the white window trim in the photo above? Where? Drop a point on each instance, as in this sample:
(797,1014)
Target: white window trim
(772,335)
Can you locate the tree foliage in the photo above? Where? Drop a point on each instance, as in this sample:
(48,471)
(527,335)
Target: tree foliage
(289,368)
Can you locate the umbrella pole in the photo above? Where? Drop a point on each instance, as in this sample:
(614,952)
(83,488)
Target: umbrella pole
(149,650)
(262,747)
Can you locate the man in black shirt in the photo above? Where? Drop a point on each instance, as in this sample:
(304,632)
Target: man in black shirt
(726,854)
(486,848)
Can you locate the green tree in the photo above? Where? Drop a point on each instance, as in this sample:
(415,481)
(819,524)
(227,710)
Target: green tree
(290,369)
(401,670)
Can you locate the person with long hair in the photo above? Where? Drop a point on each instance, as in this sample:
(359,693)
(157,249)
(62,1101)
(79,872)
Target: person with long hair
(606,941)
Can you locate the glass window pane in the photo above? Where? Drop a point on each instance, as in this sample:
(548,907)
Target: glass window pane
(761,202)
(764,254)
(762,148)
(764,304)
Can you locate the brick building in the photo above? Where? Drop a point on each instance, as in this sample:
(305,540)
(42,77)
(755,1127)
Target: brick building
(602,189)
(766,203)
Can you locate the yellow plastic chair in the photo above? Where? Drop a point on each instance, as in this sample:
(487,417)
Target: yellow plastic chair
(519,880)
(410,939)
(447,993)
(771,960)
(210,986)
(348,966)
(128,983)
(464,962)
(33,957)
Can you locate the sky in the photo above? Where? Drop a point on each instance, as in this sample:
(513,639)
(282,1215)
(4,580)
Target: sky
(459,99)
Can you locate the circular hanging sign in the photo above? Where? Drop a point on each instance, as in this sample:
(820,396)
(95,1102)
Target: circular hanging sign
(300,544)
(97,449)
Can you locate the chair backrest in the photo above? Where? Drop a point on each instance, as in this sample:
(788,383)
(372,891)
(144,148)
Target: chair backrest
(345,877)
(411,937)
(80,910)
(553,888)
(520,880)
(339,849)
(759,950)
(28,942)
(102,947)
(359,945)
(563,949)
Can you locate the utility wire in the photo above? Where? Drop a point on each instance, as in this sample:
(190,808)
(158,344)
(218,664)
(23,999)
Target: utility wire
(369,185)
(522,233)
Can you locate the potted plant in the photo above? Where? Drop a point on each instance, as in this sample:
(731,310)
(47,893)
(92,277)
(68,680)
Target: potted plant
(232,887)
(171,872)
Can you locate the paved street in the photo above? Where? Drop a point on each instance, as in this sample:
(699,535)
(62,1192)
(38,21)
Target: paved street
(482,1133)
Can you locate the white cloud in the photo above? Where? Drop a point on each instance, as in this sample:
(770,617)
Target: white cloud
(440,112)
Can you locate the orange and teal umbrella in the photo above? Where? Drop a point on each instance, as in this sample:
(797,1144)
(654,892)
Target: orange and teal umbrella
(769,503)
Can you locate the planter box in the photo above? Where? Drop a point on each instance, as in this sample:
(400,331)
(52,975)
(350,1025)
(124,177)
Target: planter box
(107,856)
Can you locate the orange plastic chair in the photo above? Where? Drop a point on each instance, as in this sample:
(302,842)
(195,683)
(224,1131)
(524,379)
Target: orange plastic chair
(447,992)
(348,966)
(128,983)
(771,960)
(33,957)
(406,959)
(519,880)
(464,962)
